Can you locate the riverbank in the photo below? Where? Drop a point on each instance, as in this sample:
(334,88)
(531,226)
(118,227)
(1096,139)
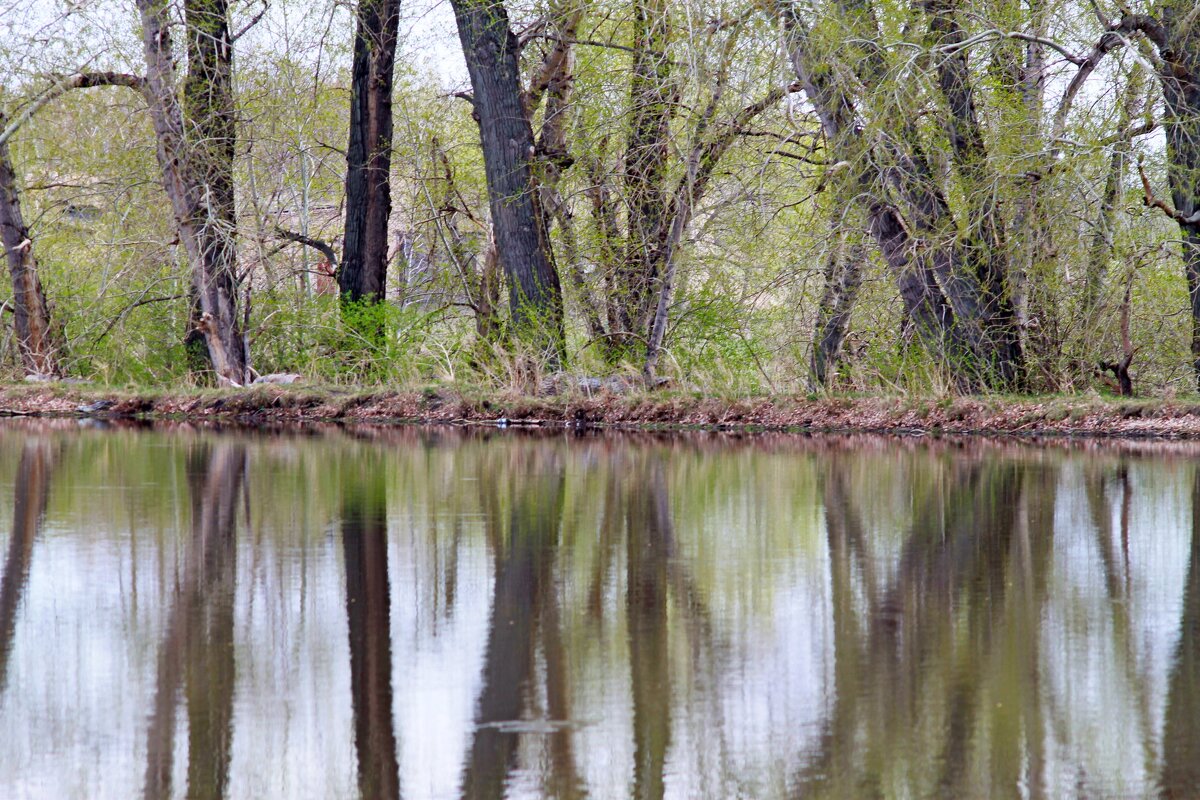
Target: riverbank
(1059,415)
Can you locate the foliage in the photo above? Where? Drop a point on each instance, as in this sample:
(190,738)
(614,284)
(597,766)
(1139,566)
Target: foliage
(754,254)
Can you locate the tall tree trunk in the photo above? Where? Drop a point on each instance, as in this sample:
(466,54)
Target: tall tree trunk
(1180,75)
(196,139)
(932,243)
(535,296)
(927,302)
(363,272)
(1100,253)
(986,248)
(709,145)
(653,100)
(31,313)
(556,81)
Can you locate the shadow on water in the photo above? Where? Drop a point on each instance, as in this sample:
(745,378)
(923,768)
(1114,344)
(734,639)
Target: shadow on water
(196,653)
(368,613)
(30,493)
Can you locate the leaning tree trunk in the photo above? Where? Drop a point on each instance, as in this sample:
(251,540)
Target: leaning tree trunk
(1181,91)
(363,272)
(986,249)
(928,305)
(522,244)
(843,278)
(31,314)
(195,153)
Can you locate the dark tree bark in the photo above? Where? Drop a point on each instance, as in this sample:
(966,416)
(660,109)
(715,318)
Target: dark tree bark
(196,139)
(1179,48)
(31,313)
(363,272)
(535,296)
(926,306)
(986,246)
(975,341)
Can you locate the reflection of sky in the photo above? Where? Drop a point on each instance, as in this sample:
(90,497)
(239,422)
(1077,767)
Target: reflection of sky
(438,656)
(1107,685)
(750,691)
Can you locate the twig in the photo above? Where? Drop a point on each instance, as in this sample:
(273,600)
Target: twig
(253,21)
(1151,201)
(323,247)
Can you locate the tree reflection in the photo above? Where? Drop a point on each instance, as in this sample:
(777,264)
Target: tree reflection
(30,493)
(1181,740)
(522,564)
(927,649)
(522,605)
(368,612)
(650,548)
(197,647)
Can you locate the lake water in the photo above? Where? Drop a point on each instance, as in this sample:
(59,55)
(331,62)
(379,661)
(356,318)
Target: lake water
(435,613)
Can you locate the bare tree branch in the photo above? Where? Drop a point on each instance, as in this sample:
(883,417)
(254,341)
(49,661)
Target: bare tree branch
(79,80)
(1151,201)
(324,248)
(251,23)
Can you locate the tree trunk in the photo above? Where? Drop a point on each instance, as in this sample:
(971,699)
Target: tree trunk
(1100,253)
(653,100)
(556,81)
(522,243)
(925,299)
(31,313)
(843,278)
(363,272)
(986,248)
(1181,91)
(196,141)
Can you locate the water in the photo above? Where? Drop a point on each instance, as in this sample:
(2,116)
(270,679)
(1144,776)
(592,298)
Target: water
(436,614)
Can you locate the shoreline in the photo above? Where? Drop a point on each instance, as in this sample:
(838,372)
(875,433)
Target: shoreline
(1065,416)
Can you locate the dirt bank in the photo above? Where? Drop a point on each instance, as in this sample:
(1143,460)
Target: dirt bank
(1090,416)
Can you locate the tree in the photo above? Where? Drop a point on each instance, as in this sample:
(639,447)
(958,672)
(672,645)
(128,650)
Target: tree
(362,275)
(522,241)
(31,312)
(196,137)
